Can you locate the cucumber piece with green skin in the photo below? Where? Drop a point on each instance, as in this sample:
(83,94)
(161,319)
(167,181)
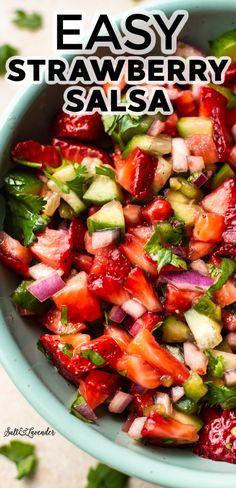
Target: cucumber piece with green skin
(155,146)
(24,299)
(186,405)
(207,307)
(103,190)
(188,419)
(65,174)
(71,198)
(206,331)
(184,208)
(139,129)
(107,217)
(194,388)
(190,191)
(174,330)
(22,182)
(224,173)
(66,212)
(229,358)
(224,45)
(163,172)
(190,126)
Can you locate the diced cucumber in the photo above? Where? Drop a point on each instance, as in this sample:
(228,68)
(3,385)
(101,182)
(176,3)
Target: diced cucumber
(184,208)
(190,126)
(66,212)
(188,419)
(174,330)
(229,358)
(109,216)
(207,307)
(65,174)
(102,190)
(194,388)
(176,351)
(22,182)
(187,189)
(91,164)
(162,174)
(224,45)
(24,299)
(206,331)
(186,405)
(141,128)
(71,198)
(224,173)
(156,146)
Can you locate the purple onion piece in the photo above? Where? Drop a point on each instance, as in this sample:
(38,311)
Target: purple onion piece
(188,280)
(46,287)
(117,314)
(230,377)
(200,180)
(86,411)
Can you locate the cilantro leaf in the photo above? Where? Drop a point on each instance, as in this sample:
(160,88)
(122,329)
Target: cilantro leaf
(226,269)
(162,255)
(77,185)
(63,187)
(93,356)
(103,476)
(22,454)
(207,307)
(23,217)
(75,411)
(31,21)
(6,51)
(215,364)
(223,396)
(122,127)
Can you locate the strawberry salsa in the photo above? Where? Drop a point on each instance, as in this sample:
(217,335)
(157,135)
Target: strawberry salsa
(123,231)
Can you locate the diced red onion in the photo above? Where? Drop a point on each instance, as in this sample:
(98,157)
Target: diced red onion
(196,88)
(230,377)
(135,328)
(120,402)
(156,128)
(46,287)
(126,426)
(136,389)
(103,238)
(185,50)
(201,180)
(164,400)
(179,155)
(195,163)
(231,339)
(41,270)
(133,308)
(135,430)
(200,266)
(177,392)
(233,131)
(188,280)
(86,411)
(117,314)
(194,358)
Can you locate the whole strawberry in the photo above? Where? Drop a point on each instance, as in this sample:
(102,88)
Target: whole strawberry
(217,439)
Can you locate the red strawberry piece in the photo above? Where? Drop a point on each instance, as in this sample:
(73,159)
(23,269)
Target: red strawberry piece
(117,158)
(137,173)
(132,214)
(109,288)
(229,320)
(119,335)
(202,145)
(178,301)
(77,231)
(143,401)
(148,321)
(139,371)
(98,386)
(74,151)
(227,294)
(139,287)
(185,104)
(158,429)
(230,74)
(52,320)
(171,125)
(14,255)
(106,347)
(82,305)
(159,209)
(54,248)
(217,439)
(87,127)
(133,248)
(143,232)
(198,249)
(35,152)
(83,262)
(110,261)
(221,199)
(226,250)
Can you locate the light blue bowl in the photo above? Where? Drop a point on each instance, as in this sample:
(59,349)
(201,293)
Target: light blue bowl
(30,117)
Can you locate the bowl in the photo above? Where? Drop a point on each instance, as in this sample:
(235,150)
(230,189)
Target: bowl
(30,116)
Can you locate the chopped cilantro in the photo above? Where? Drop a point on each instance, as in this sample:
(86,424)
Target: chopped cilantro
(67,349)
(93,356)
(77,185)
(31,21)
(123,127)
(63,187)
(207,307)
(74,410)
(6,51)
(103,476)
(215,365)
(22,454)
(226,269)
(223,396)
(162,255)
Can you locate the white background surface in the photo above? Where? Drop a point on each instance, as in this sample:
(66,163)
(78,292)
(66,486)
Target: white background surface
(61,465)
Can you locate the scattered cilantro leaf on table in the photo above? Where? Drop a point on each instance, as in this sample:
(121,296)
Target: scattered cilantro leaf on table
(103,476)
(6,51)
(22,454)
(24,20)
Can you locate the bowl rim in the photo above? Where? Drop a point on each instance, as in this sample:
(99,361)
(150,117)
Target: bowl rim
(32,387)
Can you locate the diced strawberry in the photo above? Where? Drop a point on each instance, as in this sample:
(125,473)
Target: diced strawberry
(198,249)
(143,401)
(117,158)
(217,437)
(208,227)
(230,74)
(221,199)
(202,145)
(74,151)
(147,321)
(109,288)
(178,301)
(227,294)
(77,231)
(226,249)
(83,262)
(145,345)
(143,232)
(159,429)
(139,287)
(52,320)
(132,214)
(137,173)
(133,248)
(54,248)
(92,210)
(185,104)
(158,209)
(110,261)
(82,305)
(231,117)
(105,347)
(136,369)
(119,335)
(171,125)
(229,320)
(71,368)
(87,127)
(35,152)
(14,255)
(98,386)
